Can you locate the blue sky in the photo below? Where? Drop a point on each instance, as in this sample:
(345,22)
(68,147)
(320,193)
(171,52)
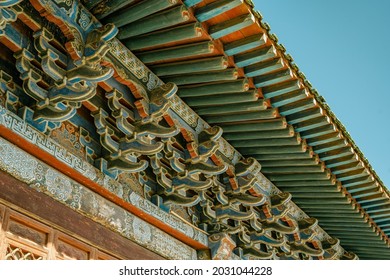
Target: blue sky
(343,49)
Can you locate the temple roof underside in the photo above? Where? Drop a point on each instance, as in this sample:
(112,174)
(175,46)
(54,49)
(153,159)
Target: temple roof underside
(198,103)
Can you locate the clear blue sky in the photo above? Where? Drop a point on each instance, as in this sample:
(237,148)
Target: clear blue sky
(343,48)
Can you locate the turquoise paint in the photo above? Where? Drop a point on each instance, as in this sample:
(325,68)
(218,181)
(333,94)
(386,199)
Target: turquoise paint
(288,98)
(273,78)
(305,115)
(310,124)
(227,27)
(279,89)
(296,106)
(329,146)
(245,44)
(253,57)
(190,3)
(215,8)
(264,67)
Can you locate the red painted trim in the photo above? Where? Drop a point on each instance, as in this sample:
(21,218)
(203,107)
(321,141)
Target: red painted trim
(80,178)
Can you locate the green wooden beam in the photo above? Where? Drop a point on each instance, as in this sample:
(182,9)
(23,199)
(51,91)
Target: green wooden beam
(319,131)
(297,106)
(343,223)
(240,85)
(311,123)
(358,181)
(377,209)
(190,3)
(246,44)
(292,169)
(340,161)
(330,146)
(110,6)
(322,205)
(305,115)
(255,56)
(366,193)
(336,216)
(337,153)
(358,173)
(138,11)
(273,142)
(300,177)
(190,66)
(166,36)
(89,4)
(324,139)
(346,167)
(265,67)
(229,74)
(289,156)
(336,227)
(361,187)
(338,212)
(365,247)
(330,220)
(315,211)
(310,190)
(279,89)
(257,126)
(164,19)
(315,194)
(381,215)
(232,98)
(305,183)
(272,150)
(231,108)
(177,52)
(289,98)
(383,222)
(240,117)
(371,198)
(368,245)
(273,78)
(350,238)
(301,162)
(279,133)
(230,26)
(369,204)
(355,240)
(216,8)
(379,253)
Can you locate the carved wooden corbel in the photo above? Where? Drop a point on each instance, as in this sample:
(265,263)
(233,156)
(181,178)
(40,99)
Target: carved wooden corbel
(302,241)
(63,83)
(7,98)
(277,208)
(119,157)
(9,11)
(331,247)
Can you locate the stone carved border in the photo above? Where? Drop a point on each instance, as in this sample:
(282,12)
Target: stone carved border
(64,190)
